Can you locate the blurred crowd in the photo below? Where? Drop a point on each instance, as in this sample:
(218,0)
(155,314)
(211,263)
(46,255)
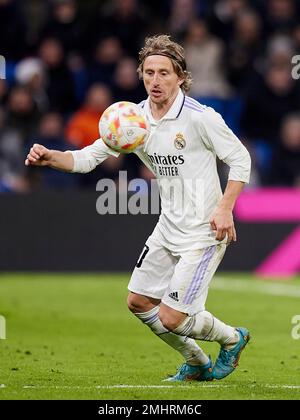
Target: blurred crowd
(67,60)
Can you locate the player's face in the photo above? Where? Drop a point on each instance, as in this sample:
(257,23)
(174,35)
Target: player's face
(160,79)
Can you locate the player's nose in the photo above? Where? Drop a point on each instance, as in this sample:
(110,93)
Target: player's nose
(156,80)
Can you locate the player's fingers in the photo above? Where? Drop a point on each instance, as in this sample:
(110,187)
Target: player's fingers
(221,233)
(34,153)
(39,149)
(234,234)
(32,160)
(27,163)
(229,235)
(212,224)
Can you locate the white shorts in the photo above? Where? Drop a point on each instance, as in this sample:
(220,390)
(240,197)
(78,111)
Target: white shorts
(179,281)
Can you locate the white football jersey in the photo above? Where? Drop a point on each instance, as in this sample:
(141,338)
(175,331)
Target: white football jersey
(181,151)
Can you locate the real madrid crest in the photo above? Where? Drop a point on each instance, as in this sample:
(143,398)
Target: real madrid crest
(179,141)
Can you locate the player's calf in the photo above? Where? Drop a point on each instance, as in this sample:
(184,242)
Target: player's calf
(170,318)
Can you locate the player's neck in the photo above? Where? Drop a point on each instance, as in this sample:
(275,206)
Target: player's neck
(159,110)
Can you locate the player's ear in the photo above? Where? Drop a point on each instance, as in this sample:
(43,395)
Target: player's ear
(180,82)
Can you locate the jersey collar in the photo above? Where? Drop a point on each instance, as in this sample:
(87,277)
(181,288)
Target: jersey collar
(173,112)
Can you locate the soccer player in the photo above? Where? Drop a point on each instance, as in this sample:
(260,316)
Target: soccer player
(169,285)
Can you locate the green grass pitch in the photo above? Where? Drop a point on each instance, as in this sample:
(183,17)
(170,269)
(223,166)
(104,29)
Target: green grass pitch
(72,337)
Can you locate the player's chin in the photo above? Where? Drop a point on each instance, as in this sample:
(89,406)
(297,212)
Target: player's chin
(158,98)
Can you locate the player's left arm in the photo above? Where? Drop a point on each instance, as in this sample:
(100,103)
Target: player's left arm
(224,143)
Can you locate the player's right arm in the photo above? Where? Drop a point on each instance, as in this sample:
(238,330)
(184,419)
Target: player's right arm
(39,155)
(81,161)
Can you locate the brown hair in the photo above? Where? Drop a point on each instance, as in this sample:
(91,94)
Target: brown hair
(162,45)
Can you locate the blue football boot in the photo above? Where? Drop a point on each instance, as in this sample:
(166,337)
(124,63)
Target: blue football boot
(228,359)
(188,372)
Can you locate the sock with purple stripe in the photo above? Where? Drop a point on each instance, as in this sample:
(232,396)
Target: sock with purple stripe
(186,346)
(204,326)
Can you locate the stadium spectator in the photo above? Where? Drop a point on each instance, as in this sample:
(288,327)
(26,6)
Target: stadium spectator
(205,59)
(107,54)
(124,20)
(222,15)
(65,24)
(12,172)
(13,43)
(22,113)
(244,49)
(30,73)
(280,49)
(50,135)
(281,16)
(182,13)
(269,102)
(82,128)
(60,86)
(296,38)
(285,168)
(3,91)
(126,84)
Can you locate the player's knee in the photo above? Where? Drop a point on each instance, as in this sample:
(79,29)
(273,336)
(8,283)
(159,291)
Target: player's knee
(138,304)
(133,303)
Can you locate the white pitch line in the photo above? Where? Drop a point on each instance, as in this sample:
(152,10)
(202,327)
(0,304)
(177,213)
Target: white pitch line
(158,386)
(124,386)
(283,386)
(120,386)
(133,386)
(274,289)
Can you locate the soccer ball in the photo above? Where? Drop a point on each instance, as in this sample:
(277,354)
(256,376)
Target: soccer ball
(124,127)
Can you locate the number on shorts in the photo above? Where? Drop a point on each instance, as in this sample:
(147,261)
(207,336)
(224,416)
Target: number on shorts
(142,256)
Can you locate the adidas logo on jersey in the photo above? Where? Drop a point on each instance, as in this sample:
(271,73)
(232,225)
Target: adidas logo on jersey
(174,295)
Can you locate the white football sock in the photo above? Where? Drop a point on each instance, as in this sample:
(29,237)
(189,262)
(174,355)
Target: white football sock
(186,346)
(204,326)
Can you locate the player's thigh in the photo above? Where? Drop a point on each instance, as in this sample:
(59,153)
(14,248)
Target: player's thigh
(153,271)
(188,287)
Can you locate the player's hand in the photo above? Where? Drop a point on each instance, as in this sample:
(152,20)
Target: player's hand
(38,156)
(222,223)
